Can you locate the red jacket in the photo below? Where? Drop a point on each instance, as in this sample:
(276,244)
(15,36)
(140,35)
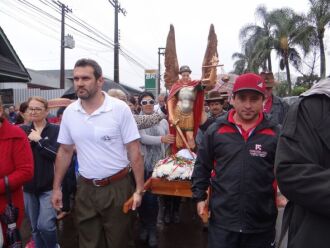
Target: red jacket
(16,162)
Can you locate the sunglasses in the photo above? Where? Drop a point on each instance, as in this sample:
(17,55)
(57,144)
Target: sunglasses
(145,102)
(37,110)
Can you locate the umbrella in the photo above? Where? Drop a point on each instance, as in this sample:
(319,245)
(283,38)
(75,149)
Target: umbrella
(9,217)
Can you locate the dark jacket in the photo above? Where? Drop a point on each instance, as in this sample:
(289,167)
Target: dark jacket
(278,110)
(202,128)
(303,171)
(44,154)
(243,197)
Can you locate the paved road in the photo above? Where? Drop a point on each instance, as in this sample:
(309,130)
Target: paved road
(188,234)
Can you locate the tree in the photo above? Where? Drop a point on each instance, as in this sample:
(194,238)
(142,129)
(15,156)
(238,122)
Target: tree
(245,61)
(281,89)
(319,18)
(240,65)
(289,31)
(258,40)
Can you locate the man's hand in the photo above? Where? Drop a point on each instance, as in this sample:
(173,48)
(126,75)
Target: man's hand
(200,208)
(168,139)
(203,211)
(57,199)
(137,199)
(281,201)
(34,136)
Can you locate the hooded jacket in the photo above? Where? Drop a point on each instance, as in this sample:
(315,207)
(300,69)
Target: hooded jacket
(303,169)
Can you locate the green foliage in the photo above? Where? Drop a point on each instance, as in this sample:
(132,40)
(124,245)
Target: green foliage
(297,90)
(319,18)
(257,42)
(293,36)
(307,80)
(281,89)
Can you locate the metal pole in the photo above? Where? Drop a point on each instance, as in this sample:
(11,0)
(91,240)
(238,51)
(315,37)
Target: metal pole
(116,51)
(160,52)
(62,73)
(64,9)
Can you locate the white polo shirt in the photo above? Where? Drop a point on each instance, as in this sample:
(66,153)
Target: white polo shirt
(100,137)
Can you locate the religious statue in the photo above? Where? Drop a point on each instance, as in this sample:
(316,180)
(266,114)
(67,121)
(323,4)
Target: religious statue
(186,99)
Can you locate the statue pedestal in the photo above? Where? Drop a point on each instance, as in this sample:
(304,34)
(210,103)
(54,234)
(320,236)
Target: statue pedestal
(162,186)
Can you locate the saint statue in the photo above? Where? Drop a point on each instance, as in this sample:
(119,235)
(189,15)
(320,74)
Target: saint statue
(186,98)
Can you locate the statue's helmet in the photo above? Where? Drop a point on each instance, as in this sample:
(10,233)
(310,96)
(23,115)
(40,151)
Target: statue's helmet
(184,68)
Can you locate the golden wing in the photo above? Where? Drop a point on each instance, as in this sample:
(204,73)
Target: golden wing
(171,61)
(210,62)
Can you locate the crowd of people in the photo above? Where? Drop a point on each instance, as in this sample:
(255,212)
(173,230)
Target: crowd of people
(104,145)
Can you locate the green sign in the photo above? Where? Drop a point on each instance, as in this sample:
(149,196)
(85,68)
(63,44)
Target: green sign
(150,79)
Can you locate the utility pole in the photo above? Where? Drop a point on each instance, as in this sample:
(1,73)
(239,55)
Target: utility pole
(118,9)
(161,51)
(64,9)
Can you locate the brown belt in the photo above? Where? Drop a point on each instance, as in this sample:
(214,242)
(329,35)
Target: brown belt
(106,181)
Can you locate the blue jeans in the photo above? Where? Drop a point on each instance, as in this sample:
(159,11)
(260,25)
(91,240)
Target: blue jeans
(42,217)
(148,211)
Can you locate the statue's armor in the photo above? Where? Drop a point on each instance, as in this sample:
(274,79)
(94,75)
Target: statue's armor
(184,109)
(186,98)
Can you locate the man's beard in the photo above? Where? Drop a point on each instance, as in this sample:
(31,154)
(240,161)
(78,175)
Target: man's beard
(89,93)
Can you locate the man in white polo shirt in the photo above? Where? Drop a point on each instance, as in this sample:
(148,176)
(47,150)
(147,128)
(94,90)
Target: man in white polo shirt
(107,141)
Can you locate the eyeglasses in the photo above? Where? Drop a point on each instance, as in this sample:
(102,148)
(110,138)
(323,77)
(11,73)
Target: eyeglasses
(145,102)
(37,110)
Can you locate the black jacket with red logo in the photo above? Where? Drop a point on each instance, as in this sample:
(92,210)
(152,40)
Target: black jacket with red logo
(242,198)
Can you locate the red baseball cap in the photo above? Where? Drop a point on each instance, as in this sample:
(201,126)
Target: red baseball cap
(250,81)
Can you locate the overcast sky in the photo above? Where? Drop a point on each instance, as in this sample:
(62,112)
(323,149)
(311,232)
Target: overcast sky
(142,31)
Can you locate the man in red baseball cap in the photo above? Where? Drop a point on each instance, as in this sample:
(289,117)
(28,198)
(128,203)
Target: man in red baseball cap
(236,159)
(248,96)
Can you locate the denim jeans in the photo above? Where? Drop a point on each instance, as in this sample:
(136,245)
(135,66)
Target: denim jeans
(42,217)
(148,211)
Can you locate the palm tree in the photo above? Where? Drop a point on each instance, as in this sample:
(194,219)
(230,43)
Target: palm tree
(259,40)
(240,65)
(289,31)
(246,61)
(319,17)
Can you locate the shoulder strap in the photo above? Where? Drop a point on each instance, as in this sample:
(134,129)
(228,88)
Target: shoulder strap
(8,194)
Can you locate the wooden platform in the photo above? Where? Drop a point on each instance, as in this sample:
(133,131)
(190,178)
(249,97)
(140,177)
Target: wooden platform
(162,186)
(175,188)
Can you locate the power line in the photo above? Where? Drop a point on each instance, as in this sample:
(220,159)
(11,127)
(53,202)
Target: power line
(132,59)
(103,39)
(135,56)
(25,23)
(25,10)
(51,5)
(90,29)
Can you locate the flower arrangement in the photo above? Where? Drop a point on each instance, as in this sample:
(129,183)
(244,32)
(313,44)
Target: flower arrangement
(175,167)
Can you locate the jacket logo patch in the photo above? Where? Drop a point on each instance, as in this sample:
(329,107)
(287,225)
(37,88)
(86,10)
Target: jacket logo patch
(258,151)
